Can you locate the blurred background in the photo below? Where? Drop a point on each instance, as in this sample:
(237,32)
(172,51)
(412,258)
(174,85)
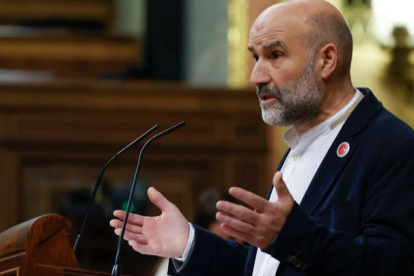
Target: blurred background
(80,79)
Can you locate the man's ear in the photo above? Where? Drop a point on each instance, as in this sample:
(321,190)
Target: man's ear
(328,60)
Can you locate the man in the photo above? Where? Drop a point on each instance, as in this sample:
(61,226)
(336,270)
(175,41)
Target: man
(343,205)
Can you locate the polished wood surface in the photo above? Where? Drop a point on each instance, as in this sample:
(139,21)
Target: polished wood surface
(23,11)
(39,247)
(67,53)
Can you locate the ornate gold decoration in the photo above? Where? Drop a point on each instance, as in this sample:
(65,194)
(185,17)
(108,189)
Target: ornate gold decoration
(237,37)
(358,14)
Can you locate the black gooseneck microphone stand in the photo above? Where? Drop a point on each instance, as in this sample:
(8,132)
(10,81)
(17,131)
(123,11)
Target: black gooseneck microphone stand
(98,182)
(116,270)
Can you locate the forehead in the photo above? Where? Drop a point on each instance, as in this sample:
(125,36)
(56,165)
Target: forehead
(277,26)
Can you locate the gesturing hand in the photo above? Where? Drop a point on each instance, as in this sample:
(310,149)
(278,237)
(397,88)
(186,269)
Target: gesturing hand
(258,227)
(165,235)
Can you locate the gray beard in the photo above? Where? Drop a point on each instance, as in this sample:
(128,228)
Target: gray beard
(294,105)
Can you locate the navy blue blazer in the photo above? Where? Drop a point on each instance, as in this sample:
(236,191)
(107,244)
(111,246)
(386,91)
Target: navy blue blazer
(356,218)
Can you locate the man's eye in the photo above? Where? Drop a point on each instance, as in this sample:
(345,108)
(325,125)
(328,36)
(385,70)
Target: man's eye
(276,55)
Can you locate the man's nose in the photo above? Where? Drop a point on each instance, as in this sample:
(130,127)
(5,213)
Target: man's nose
(260,74)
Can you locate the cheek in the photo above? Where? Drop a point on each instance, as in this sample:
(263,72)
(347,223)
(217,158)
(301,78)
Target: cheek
(286,72)
(284,78)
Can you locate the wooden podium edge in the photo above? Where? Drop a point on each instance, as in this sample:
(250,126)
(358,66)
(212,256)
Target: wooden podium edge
(31,248)
(67,271)
(13,271)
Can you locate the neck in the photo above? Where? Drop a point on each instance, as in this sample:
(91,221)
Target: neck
(332,103)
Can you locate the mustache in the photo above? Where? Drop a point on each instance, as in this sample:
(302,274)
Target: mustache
(269,91)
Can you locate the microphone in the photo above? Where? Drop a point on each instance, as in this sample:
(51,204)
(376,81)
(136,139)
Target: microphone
(115,270)
(98,182)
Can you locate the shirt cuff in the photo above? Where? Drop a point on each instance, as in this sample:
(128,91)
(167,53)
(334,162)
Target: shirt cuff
(189,245)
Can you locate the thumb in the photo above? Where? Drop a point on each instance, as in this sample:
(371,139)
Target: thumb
(280,186)
(159,200)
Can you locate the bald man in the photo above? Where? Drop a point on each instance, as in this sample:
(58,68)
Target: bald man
(342,198)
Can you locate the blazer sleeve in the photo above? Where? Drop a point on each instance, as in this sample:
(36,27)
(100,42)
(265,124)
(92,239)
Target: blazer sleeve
(212,255)
(384,243)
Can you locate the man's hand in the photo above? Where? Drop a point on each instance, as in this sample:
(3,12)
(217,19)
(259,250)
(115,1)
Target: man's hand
(258,227)
(165,235)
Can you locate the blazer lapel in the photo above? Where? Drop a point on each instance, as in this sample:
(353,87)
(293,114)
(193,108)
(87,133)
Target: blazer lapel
(332,165)
(279,167)
(251,258)
(327,173)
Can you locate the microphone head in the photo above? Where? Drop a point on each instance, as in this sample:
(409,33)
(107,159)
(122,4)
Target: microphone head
(168,131)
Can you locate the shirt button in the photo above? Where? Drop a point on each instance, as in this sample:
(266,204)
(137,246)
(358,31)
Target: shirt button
(295,158)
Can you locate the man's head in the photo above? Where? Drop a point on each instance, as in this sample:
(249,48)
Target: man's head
(303,51)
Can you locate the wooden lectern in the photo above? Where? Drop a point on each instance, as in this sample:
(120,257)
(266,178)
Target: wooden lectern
(39,247)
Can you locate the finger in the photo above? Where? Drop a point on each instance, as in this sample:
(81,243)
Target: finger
(238,211)
(246,237)
(280,186)
(129,236)
(119,213)
(249,198)
(132,218)
(235,223)
(129,227)
(159,200)
(115,223)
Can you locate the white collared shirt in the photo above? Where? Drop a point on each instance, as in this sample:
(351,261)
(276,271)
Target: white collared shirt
(306,155)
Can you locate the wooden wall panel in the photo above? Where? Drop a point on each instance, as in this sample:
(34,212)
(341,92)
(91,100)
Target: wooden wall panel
(54,137)
(68,54)
(22,11)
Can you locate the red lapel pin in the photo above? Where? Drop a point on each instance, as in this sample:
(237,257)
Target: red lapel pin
(343,149)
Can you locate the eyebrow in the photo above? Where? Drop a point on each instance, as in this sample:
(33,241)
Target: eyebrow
(270,45)
(273,44)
